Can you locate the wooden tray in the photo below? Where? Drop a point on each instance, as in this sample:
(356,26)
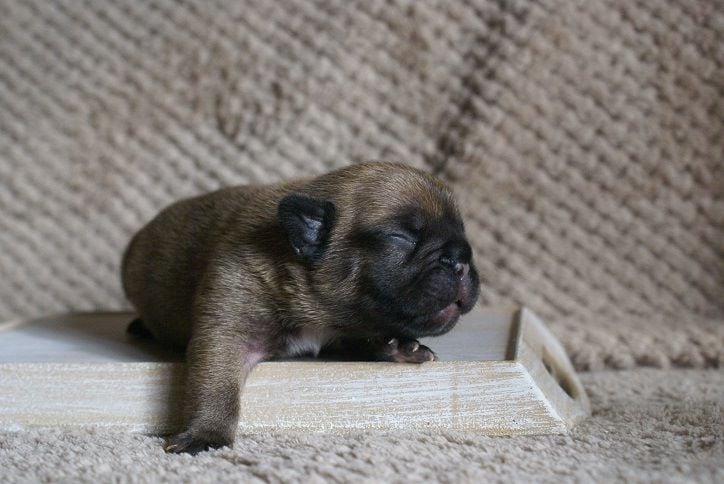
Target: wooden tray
(500,372)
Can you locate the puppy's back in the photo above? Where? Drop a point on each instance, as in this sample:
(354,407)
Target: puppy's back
(165,260)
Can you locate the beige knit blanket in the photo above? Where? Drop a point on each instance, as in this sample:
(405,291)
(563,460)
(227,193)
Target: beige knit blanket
(585,139)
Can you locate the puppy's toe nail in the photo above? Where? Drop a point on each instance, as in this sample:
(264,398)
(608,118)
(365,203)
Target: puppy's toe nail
(393,341)
(433,357)
(415,346)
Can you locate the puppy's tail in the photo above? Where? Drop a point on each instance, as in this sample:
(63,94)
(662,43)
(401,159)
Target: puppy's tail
(137,329)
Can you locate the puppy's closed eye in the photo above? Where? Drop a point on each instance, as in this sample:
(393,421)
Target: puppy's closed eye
(402,238)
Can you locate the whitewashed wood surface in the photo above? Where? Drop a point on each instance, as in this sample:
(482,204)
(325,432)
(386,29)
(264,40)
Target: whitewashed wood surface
(82,370)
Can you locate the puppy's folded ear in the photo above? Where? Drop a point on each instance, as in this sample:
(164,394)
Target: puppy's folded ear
(308,222)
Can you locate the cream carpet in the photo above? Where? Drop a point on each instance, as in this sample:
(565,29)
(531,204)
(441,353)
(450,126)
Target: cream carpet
(586,140)
(647,426)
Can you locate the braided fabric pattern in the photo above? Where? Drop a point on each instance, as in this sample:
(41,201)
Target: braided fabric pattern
(584,139)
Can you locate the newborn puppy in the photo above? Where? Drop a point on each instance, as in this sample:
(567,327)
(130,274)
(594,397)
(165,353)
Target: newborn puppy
(360,262)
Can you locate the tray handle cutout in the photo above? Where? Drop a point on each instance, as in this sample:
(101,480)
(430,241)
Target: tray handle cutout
(559,375)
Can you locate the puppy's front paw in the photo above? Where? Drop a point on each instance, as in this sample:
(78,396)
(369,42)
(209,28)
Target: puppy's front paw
(193,441)
(408,351)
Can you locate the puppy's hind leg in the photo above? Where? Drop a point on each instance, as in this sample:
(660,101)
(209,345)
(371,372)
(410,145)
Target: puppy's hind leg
(138,329)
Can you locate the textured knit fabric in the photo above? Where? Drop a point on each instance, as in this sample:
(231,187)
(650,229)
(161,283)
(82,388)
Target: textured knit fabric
(585,139)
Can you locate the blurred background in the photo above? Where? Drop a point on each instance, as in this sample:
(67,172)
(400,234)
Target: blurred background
(585,141)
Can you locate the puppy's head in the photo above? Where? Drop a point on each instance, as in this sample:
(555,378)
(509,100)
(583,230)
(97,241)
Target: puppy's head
(385,244)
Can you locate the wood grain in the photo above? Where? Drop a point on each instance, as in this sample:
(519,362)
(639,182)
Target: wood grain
(81,370)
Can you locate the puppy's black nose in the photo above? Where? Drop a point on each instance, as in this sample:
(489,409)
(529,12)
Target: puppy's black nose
(462,269)
(456,255)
